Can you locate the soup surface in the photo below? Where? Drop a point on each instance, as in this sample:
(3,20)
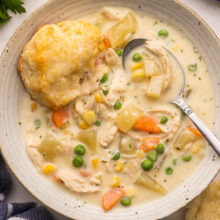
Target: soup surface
(119,138)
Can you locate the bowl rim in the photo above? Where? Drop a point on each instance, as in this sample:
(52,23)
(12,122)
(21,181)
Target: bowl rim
(36,11)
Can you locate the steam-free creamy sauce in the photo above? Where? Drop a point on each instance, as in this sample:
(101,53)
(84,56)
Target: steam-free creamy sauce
(200,99)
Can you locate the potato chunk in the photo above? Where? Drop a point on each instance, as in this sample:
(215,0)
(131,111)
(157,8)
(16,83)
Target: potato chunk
(50,146)
(89,138)
(126,119)
(150,183)
(127,146)
(120,32)
(184,138)
(155,87)
(151,68)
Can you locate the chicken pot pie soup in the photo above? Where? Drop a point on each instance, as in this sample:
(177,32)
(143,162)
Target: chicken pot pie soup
(106,133)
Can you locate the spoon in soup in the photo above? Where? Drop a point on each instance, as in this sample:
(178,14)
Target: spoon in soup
(206,132)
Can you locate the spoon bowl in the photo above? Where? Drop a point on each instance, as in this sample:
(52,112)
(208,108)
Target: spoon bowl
(179,101)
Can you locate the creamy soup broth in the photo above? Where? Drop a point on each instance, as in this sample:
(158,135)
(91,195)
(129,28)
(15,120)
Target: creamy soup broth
(36,122)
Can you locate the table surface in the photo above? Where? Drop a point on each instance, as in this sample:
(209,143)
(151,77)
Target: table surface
(207,9)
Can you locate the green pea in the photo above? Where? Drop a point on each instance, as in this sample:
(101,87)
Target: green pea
(137,57)
(192,67)
(187,157)
(175,161)
(163,119)
(116,156)
(77,161)
(160,148)
(163,33)
(125,201)
(117,105)
(105,92)
(152,155)
(104,78)
(79,150)
(147,164)
(98,123)
(37,123)
(169,170)
(119,52)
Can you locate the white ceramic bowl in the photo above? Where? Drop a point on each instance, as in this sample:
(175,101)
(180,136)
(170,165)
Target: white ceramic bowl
(12,90)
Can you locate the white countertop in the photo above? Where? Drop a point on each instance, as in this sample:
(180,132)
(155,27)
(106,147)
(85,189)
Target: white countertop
(207,9)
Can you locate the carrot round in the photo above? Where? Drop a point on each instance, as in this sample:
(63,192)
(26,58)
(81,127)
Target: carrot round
(195,131)
(111,198)
(147,124)
(149,143)
(59,117)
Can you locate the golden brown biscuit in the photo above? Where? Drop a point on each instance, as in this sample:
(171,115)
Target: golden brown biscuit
(55,59)
(207,205)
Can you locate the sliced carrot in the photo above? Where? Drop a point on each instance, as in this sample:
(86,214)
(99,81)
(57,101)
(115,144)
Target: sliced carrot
(149,143)
(195,131)
(84,173)
(147,124)
(107,42)
(60,116)
(111,198)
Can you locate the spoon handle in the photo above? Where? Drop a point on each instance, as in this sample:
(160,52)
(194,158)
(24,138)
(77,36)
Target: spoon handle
(206,132)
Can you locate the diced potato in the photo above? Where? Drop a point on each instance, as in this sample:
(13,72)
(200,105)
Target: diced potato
(138,75)
(155,87)
(120,32)
(197,147)
(151,68)
(89,137)
(145,180)
(184,138)
(50,146)
(127,146)
(126,119)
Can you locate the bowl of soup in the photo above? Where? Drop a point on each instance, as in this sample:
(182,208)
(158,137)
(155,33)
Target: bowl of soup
(92,138)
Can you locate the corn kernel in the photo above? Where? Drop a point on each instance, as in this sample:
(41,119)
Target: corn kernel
(83,125)
(130,192)
(119,166)
(49,169)
(136,66)
(115,181)
(89,117)
(95,163)
(138,76)
(98,98)
(196,147)
(101,46)
(33,106)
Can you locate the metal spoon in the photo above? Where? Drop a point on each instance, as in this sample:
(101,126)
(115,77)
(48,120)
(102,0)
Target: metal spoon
(208,135)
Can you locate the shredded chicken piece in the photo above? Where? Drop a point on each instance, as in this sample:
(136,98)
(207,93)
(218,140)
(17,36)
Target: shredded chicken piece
(104,112)
(159,55)
(107,134)
(75,183)
(83,104)
(171,127)
(111,58)
(132,168)
(36,157)
(106,12)
(116,87)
